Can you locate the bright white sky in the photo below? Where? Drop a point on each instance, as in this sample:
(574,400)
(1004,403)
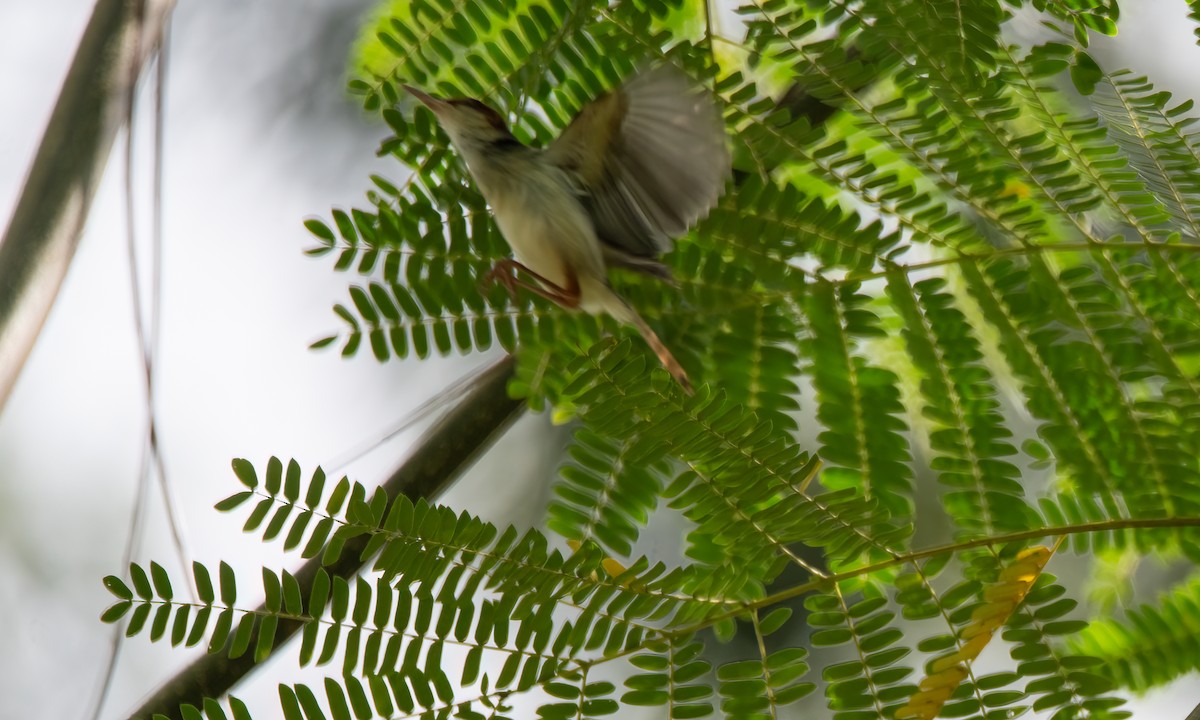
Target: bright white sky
(258,138)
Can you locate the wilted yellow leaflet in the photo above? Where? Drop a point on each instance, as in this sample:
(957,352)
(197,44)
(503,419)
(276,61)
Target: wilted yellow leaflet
(1000,601)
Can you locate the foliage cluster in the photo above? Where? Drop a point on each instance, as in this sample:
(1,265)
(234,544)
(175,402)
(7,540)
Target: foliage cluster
(977,261)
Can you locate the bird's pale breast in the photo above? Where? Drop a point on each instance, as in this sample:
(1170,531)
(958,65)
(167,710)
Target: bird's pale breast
(549,230)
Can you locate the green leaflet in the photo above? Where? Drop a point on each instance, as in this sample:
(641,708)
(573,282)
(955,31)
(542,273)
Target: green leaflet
(1153,644)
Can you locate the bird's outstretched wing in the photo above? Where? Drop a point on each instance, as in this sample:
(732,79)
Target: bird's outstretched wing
(650,159)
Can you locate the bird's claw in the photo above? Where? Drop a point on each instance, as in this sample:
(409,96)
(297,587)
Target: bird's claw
(502,274)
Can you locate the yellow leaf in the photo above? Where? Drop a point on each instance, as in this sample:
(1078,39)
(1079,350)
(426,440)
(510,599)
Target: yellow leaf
(1001,598)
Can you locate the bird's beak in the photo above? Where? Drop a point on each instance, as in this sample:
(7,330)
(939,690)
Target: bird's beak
(431,102)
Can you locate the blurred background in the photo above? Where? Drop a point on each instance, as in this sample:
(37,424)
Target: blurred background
(259,135)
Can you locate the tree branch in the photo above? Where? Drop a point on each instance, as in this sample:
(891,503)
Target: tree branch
(441,456)
(44,231)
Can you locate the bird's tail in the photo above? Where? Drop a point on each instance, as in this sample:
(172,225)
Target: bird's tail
(623,311)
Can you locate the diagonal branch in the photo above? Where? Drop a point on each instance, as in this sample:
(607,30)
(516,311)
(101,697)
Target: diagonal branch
(44,231)
(439,458)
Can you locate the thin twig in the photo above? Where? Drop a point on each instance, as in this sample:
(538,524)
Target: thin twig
(151,459)
(40,241)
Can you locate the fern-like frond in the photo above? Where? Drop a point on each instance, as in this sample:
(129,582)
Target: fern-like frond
(607,492)
(733,461)
(425,601)
(859,404)
(671,674)
(971,442)
(1081,141)
(1158,142)
(964,33)
(478,48)
(1057,680)
(425,545)
(524,617)
(1151,646)
(761,687)
(865,626)
(1063,400)
(771,225)
(1084,15)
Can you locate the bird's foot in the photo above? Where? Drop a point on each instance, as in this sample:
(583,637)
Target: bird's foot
(504,274)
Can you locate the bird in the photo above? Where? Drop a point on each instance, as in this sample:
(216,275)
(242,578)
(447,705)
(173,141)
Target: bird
(636,168)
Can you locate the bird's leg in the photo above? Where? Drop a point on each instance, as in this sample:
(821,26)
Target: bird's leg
(501,274)
(504,273)
(664,355)
(625,312)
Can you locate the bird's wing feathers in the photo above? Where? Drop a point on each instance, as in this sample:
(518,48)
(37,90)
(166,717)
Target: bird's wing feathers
(650,158)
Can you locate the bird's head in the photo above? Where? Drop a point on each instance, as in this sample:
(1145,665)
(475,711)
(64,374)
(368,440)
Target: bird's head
(469,123)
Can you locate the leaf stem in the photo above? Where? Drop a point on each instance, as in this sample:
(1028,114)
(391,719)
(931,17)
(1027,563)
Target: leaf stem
(822,583)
